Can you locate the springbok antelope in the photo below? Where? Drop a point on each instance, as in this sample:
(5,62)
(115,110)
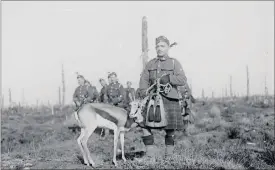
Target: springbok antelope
(103,115)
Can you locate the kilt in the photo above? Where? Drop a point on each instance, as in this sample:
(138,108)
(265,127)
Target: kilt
(173,111)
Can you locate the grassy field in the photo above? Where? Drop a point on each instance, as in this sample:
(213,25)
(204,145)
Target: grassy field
(225,135)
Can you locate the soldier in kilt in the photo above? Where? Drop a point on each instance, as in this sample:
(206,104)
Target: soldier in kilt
(174,75)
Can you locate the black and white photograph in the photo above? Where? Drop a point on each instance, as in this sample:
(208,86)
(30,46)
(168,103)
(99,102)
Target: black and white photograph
(137,85)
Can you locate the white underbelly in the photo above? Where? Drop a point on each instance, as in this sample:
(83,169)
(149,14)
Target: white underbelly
(105,123)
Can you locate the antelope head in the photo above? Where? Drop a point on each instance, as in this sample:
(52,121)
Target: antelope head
(137,108)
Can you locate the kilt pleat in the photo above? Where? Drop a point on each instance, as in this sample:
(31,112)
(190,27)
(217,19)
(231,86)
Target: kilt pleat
(173,111)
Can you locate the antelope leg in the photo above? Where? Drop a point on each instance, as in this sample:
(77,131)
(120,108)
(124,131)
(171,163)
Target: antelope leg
(115,145)
(122,145)
(88,133)
(79,141)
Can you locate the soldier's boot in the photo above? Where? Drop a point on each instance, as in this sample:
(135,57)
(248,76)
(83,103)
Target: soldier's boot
(169,143)
(151,149)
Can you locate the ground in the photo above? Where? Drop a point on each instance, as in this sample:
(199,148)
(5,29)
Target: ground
(225,135)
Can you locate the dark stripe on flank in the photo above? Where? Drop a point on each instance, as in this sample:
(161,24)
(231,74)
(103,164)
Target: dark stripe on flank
(105,115)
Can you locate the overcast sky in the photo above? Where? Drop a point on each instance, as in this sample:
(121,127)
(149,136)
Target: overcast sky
(215,40)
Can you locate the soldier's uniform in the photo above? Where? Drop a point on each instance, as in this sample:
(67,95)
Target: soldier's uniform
(128,92)
(102,98)
(185,101)
(138,94)
(115,94)
(92,94)
(103,95)
(80,94)
(154,69)
(185,98)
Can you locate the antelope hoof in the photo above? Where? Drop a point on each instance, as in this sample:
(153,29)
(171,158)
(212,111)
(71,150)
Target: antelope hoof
(90,165)
(86,163)
(114,163)
(124,159)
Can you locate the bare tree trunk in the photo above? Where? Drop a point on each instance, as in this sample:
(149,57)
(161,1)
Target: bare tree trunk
(202,94)
(144,43)
(52,108)
(59,96)
(231,92)
(63,86)
(247,83)
(225,91)
(212,94)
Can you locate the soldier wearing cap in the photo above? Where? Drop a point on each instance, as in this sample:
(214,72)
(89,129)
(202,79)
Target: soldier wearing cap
(81,92)
(129,94)
(115,91)
(92,92)
(174,74)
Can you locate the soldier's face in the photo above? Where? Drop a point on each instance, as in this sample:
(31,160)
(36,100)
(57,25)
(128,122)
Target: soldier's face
(128,85)
(162,49)
(103,83)
(113,78)
(87,84)
(80,81)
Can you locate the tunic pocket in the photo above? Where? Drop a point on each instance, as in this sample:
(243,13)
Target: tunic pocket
(167,68)
(152,75)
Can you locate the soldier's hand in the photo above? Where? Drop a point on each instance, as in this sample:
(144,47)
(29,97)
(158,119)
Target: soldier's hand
(165,79)
(115,101)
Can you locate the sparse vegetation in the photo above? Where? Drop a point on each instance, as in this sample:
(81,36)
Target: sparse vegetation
(225,135)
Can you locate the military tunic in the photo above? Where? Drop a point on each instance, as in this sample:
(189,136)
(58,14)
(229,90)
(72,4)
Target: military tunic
(116,94)
(154,69)
(92,94)
(139,94)
(103,95)
(129,91)
(80,94)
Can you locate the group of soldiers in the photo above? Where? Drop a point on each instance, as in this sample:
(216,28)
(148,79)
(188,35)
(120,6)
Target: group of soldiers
(112,92)
(177,102)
